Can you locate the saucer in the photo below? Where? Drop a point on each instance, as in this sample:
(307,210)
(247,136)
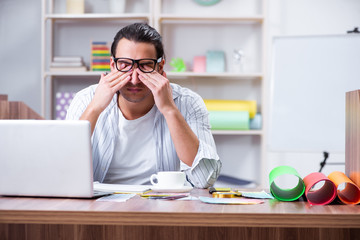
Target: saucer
(171,190)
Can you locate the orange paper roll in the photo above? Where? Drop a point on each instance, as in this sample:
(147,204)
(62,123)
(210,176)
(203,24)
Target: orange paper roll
(324,195)
(351,193)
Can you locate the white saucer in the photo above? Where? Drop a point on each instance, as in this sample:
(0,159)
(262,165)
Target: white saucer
(171,190)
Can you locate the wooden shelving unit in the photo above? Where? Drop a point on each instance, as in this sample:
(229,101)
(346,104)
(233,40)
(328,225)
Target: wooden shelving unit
(167,18)
(250,84)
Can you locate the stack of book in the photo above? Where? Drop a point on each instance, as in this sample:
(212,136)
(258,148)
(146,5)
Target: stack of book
(100,56)
(68,64)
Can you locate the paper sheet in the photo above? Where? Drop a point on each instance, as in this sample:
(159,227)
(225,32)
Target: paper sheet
(240,201)
(259,195)
(121,188)
(116,198)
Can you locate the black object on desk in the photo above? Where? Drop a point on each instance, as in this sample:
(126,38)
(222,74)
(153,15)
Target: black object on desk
(322,164)
(356,30)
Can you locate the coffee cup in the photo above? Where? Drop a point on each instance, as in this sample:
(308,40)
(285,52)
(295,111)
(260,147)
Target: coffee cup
(170,179)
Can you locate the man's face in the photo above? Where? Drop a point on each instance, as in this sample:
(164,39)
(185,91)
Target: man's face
(134,91)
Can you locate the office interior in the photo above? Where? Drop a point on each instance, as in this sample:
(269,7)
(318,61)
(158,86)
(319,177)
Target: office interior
(244,156)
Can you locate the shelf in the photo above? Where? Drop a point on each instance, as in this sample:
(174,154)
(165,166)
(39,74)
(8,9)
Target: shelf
(171,74)
(192,18)
(213,75)
(98,16)
(237,132)
(87,73)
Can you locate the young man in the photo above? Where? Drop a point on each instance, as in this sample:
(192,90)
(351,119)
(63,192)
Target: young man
(141,124)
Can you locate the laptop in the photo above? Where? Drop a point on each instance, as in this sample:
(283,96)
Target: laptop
(46,158)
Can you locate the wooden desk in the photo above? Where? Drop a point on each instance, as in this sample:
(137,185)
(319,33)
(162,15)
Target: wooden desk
(46,218)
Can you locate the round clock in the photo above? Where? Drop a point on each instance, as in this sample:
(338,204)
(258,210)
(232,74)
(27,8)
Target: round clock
(207,2)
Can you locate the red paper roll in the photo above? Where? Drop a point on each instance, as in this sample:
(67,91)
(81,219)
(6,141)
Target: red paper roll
(324,195)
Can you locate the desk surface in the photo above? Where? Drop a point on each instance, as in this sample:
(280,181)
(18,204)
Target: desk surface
(138,211)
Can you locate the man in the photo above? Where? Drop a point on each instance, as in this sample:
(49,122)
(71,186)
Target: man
(141,124)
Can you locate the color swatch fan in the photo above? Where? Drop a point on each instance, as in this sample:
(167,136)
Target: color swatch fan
(100,56)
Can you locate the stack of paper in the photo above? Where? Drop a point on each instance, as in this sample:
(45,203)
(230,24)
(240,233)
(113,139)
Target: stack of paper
(120,188)
(240,201)
(69,64)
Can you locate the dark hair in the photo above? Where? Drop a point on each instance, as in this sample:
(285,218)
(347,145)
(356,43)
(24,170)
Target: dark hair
(139,32)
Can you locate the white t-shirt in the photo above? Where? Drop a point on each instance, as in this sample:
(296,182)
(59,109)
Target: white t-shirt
(134,157)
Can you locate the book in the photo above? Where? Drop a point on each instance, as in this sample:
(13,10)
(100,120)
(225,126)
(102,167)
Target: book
(121,188)
(66,64)
(67,59)
(68,69)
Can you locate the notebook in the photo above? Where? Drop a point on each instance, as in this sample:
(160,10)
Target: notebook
(46,158)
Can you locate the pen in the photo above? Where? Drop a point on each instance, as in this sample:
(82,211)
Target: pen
(213,189)
(167,197)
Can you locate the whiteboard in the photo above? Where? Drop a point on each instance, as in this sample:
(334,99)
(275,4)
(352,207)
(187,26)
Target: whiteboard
(309,78)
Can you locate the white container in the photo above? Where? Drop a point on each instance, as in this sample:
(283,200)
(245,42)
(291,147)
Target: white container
(75,6)
(117,6)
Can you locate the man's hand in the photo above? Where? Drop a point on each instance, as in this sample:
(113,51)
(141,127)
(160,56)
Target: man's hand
(108,86)
(160,87)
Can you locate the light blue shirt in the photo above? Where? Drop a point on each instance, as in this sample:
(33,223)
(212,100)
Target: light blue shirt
(206,166)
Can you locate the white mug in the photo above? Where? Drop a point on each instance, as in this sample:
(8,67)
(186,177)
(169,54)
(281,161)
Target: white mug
(171,179)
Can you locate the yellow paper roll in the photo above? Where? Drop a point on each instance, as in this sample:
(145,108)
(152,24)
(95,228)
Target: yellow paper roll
(231,105)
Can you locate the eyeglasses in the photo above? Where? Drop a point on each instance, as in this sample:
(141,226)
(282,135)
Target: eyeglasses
(146,65)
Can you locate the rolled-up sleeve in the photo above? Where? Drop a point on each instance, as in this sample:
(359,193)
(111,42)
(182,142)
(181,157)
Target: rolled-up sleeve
(207,165)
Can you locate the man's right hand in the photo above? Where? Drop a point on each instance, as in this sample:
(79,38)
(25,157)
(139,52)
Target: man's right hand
(109,84)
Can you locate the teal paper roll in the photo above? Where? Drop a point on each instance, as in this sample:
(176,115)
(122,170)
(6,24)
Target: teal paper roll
(229,120)
(256,122)
(286,194)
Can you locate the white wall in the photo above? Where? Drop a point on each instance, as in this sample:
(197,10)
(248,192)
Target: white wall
(310,17)
(20,51)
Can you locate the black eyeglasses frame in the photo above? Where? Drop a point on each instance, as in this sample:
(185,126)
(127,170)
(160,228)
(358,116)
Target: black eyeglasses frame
(137,62)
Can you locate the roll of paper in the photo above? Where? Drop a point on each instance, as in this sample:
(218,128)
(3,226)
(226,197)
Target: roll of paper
(351,192)
(256,122)
(225,120)
(286,194)
(231,105)
(325,194)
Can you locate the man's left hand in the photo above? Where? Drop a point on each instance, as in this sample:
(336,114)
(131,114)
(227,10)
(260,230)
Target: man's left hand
(160,87)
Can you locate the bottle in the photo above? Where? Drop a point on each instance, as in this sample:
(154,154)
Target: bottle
(117,6)
(238,61)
